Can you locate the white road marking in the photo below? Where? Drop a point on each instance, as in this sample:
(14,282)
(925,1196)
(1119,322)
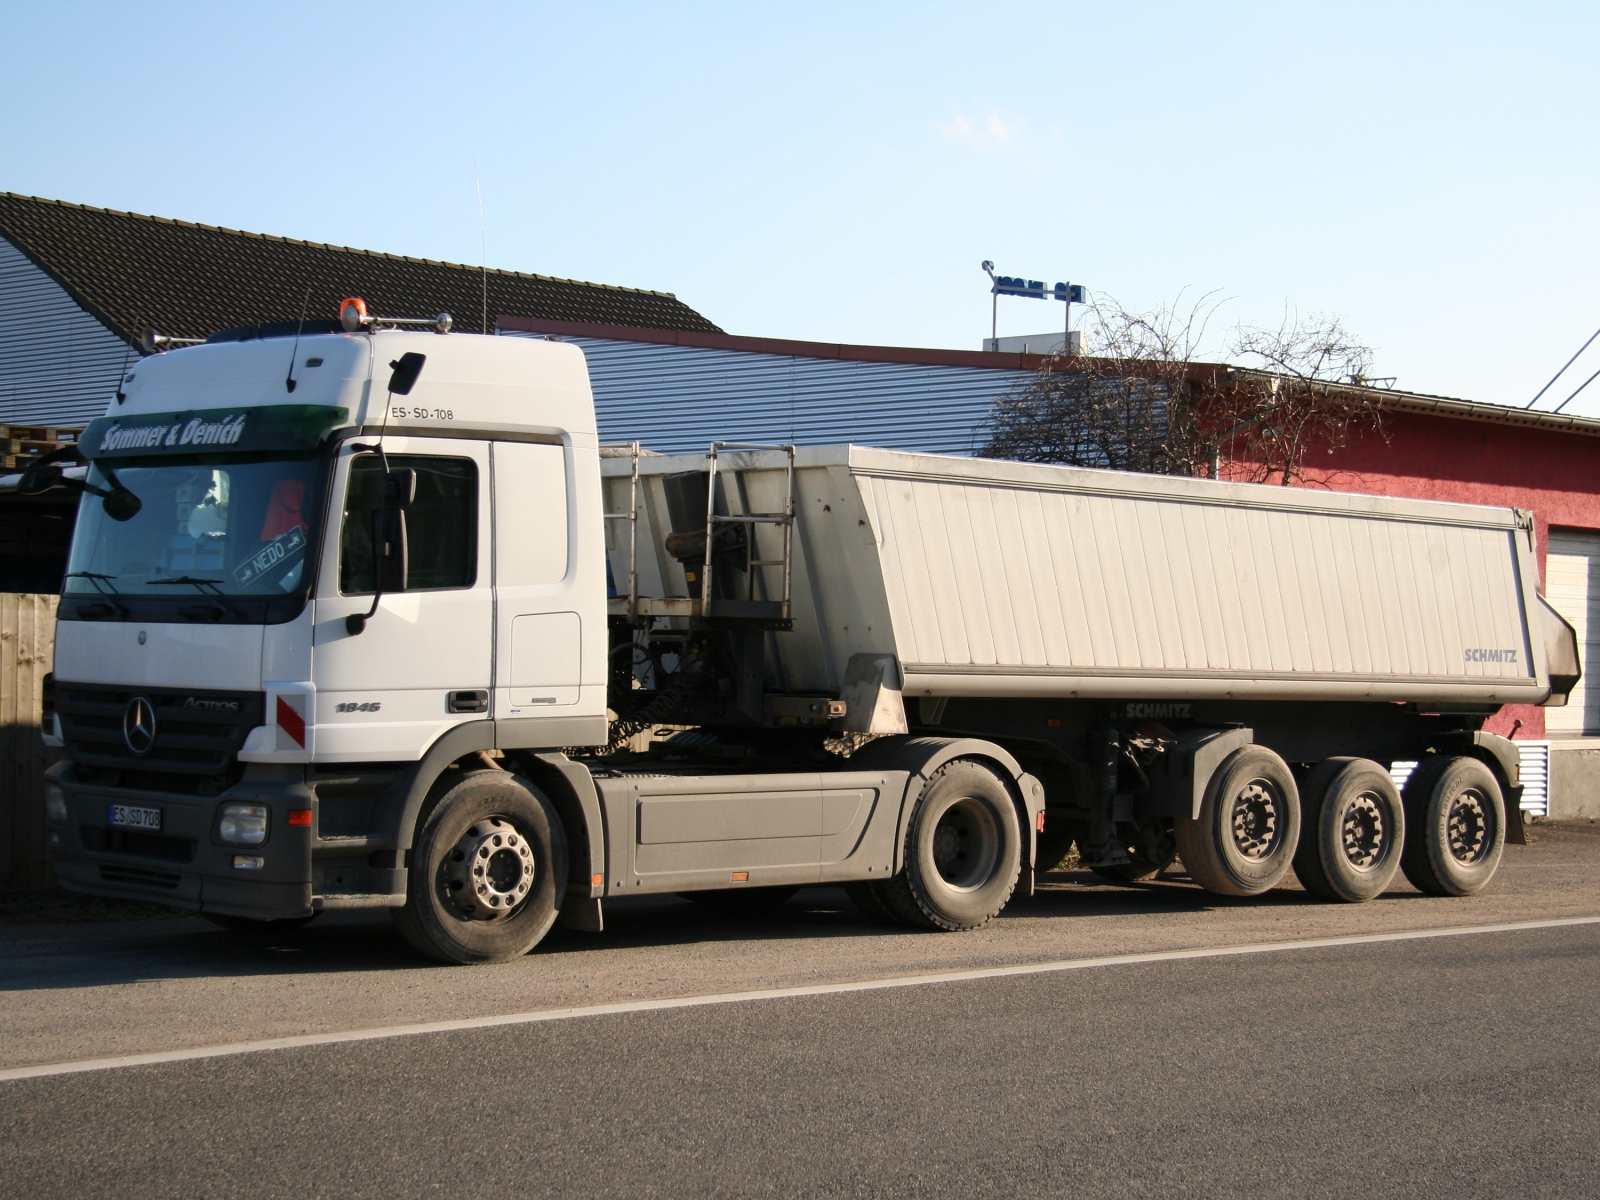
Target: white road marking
(822,989)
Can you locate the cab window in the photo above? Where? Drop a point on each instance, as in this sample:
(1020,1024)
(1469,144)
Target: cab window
(438,528)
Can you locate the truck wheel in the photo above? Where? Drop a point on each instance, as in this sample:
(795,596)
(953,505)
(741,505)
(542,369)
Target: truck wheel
(1352,829)
(963,851)
(1244,840)
(488,870)
(1455,826)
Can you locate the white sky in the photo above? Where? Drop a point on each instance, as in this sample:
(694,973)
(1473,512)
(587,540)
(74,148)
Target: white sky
(1427,172)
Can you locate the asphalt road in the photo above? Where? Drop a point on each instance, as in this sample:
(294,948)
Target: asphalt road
(1459,1066)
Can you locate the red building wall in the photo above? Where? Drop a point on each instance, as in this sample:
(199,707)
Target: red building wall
(1555,473)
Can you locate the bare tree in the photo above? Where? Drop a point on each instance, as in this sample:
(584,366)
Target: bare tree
(1143,403)
(1132,406)
(1302,387)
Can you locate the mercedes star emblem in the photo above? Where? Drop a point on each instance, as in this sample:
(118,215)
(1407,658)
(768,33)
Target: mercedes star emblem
(139,725)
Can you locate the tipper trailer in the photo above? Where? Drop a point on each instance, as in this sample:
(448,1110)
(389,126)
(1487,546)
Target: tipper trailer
(364,616)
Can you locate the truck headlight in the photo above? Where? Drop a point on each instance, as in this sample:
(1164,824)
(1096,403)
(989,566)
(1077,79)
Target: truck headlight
(55,804)
(243,824)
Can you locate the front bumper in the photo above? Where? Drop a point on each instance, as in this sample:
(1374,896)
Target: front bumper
(186,866)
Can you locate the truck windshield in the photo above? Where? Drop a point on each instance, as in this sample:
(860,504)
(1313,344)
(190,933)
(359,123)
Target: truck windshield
(220,527)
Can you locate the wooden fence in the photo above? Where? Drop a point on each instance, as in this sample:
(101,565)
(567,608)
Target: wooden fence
(27,637)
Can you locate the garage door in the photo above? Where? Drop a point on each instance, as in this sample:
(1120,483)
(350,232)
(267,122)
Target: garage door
(1572,585)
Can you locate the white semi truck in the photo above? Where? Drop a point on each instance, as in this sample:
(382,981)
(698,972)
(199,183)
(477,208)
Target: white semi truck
(361,615)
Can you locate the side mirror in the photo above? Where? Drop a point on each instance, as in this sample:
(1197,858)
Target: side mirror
(400,488)
(406,369)
(121,504)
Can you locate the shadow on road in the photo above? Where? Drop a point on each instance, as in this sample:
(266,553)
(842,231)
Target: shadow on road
(46,957)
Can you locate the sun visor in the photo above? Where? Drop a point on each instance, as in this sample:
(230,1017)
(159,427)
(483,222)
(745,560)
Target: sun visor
(244,430)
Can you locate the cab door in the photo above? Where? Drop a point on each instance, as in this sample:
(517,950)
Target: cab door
(423,661)
(548,626)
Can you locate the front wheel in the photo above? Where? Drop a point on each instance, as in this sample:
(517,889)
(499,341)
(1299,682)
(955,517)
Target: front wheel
(488,872)
(1244,840)
(963,851)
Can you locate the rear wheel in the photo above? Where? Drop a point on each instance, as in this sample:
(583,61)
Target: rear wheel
(488,872)
(963,851)
(1455,826)
(1244,840)
(1352,830)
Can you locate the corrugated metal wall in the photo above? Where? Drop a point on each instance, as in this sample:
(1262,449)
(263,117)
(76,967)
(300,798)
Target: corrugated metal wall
(1535,756)
(58,365)
(678,399)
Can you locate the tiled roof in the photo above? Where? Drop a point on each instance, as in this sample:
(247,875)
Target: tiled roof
(135,273)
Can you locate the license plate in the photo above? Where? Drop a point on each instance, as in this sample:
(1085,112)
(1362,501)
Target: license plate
(125,816)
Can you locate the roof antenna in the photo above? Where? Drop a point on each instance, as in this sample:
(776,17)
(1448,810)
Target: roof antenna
(483,243)
(289,380)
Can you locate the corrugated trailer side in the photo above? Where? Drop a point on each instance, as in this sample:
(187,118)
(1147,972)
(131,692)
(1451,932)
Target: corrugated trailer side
(1002,579)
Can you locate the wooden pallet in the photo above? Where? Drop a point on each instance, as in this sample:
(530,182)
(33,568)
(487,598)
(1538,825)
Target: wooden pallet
(20,444)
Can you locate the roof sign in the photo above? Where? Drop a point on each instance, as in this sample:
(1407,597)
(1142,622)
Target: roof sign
(277,427)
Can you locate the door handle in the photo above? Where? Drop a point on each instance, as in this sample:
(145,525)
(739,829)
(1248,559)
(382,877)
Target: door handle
(470,701)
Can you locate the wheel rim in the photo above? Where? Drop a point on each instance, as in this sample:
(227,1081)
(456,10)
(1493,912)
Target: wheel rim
(1257,819)
(1363,834)
(490,870)
(1467,826)
(966,845)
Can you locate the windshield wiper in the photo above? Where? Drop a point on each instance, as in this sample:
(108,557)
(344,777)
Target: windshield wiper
(200,585)
(101,583)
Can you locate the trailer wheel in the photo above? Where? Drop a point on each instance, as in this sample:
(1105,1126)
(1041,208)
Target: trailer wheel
(1352,829)
(1244,840)
(963,851)
(488,871)
(1456,826)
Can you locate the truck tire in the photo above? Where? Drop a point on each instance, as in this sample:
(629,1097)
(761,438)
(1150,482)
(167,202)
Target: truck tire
(1352,830)
(1244,840)
(488,871)
(963,851)
(1455,826)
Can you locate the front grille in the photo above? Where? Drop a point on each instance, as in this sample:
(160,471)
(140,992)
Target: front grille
(193,738)
(140,877)
(141,845)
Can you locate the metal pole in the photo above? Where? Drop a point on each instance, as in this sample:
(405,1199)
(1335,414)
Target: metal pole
(633,540)
(711,502)
(788,531)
